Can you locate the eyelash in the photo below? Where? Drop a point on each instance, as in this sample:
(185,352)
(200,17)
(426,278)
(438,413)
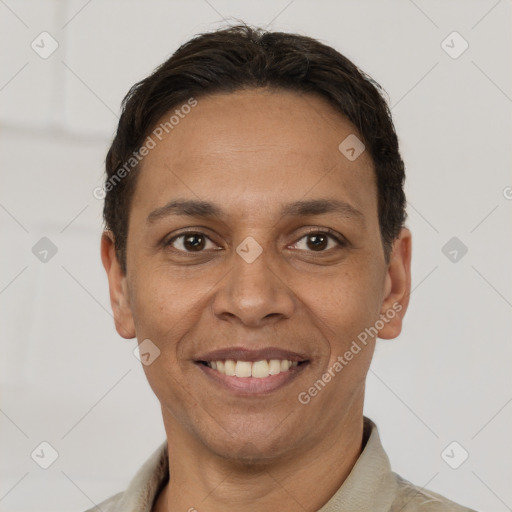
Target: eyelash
(341,241)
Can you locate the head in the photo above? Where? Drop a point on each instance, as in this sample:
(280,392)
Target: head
(254,201)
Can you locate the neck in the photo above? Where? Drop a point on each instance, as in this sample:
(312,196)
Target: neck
(201,480)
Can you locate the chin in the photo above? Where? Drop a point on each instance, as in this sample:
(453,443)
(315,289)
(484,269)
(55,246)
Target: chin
(252,447)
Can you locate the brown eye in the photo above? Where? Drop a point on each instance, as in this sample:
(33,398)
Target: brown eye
(319,241)
(189,242)
(194,242)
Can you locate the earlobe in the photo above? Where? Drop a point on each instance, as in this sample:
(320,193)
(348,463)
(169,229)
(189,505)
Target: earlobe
(118,289)
(397,286)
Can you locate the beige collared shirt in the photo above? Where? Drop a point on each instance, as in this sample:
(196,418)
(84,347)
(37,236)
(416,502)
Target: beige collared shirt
(370,487)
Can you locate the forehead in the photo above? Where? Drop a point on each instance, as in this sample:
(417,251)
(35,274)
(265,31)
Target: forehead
(251,148)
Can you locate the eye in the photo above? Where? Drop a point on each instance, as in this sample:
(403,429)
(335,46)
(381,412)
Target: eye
(314,241)
(190,242)
(320,241)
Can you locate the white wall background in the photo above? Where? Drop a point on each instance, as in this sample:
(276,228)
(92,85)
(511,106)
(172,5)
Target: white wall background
(67,378)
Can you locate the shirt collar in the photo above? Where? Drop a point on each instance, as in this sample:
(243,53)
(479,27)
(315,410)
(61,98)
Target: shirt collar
(371,485)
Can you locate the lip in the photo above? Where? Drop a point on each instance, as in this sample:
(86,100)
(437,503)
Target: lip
(251,386)
(250,355)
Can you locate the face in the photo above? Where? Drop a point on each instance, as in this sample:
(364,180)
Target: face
(252,238)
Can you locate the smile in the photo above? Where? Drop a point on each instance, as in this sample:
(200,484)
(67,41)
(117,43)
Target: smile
(257,369)
(252,372)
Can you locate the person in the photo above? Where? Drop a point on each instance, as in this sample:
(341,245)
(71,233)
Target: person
(256,247)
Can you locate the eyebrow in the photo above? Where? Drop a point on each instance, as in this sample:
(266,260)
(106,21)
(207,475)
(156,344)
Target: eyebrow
(303,208)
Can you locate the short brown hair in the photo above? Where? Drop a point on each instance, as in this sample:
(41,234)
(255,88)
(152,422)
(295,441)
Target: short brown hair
(240,57)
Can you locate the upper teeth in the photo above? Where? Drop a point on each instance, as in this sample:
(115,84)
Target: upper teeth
(258,369)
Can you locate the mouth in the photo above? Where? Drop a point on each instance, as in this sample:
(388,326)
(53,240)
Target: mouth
(252,372)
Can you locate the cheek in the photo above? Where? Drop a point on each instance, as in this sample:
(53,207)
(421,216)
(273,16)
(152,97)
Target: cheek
(349,296)
(168,305)
(158,306)
(163,312)
(344,307)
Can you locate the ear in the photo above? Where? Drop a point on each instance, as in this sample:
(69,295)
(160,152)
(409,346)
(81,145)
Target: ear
(397,286)
(118,287)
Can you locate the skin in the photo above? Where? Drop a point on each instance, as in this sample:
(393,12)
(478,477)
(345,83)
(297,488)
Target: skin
(250,152)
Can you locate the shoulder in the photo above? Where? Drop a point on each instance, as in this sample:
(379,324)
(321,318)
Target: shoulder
(108,505)
(410,498)
(143,488)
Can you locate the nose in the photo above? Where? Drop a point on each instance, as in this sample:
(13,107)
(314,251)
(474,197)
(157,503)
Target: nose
(253,293)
